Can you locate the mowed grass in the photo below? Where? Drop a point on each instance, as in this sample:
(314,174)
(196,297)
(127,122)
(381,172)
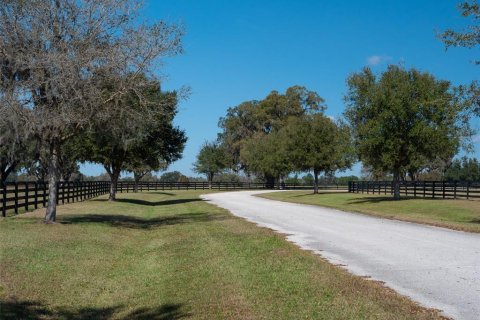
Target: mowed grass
(172,256)
(454,214)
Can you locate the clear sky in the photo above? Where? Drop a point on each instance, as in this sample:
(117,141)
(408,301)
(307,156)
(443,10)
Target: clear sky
(240,50)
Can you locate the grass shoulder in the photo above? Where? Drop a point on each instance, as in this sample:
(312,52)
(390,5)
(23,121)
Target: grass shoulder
(461,215)
(170,255)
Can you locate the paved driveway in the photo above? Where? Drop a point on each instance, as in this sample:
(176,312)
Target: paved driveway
(437,267)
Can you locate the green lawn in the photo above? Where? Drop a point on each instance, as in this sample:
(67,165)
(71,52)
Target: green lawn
(172,256)
(455,214)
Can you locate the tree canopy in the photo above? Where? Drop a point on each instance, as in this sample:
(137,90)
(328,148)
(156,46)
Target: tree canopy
(464,169)
(404,119)
(211,160)
(470,36)
(55,55)
(137,140)
(256,118)
(318,144)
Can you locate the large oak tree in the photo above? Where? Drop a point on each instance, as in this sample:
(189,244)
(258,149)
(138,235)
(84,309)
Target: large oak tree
(319,144)
(55,55)
(144,137)
(257,118)
(404,119)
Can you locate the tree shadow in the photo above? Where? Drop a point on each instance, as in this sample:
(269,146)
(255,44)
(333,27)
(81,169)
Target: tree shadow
(378,199)
(153,203)
(22,310)
(161,193)
(475,220)
(164,312)
(13,310)
(319,193)
(133,222)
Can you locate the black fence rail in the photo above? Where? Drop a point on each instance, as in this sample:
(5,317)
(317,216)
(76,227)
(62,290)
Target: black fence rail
(148,186)
(19,197)
(420,189)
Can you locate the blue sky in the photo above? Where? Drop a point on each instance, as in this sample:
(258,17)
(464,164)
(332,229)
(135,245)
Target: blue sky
(241,50)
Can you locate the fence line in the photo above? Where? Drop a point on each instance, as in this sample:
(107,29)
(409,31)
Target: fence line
(420,189)
(24,196)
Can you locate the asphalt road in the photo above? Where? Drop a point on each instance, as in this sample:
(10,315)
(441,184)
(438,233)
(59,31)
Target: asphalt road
(436,267)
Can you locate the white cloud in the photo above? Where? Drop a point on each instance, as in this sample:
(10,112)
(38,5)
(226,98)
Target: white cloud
(376,60)
(331,117)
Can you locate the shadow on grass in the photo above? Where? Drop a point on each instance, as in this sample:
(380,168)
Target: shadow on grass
(133,222)
(376,199)
(153,203)
(390,199)
(161,193)
(10,310)
(319,193)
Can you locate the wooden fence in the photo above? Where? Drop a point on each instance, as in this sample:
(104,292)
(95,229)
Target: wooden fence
(420,189)
(18,197)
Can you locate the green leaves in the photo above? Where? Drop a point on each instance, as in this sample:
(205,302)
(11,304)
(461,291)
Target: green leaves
(210,160)
(404,119)
(252,119)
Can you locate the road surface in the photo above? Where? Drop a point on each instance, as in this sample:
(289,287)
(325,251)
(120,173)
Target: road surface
(436,267)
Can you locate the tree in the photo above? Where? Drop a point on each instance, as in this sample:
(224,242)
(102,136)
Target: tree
(318,144)
(269,155)
(403,120)
(464,169)
(257,118)
(467,38)
(15,149)
(55,55)
(308,179)
(210,161)
(171,177)
(145,139)
(67,161)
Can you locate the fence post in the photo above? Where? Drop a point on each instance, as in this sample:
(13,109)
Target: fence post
(26,196)
(468,189)
(455,190)
(68,191)
(433,190)
(36,195)
(4,199)
(16,197)
(443,189)
(44,194)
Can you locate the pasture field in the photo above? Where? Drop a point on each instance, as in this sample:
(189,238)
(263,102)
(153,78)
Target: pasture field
(461,215)
(170,255)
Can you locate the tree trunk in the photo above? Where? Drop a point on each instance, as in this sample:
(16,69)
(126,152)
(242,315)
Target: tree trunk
(113,185)
(210,180)
(53,179)
(315,183)
(269,182)
(137,178)
(5,170)
(396,185)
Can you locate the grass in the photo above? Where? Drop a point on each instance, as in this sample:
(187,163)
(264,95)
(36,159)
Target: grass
(454,214)
(172,256)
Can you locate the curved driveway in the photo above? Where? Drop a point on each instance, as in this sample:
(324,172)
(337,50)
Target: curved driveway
(437,267)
